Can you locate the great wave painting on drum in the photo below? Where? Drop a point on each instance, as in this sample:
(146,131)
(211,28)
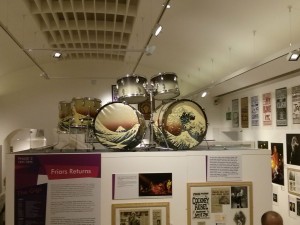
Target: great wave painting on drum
(119,126)
(180,125)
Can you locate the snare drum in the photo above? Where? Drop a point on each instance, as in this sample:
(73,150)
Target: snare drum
(65,116)
(119,126)
(84,111)
(165,86)
(180,124)
(131,89)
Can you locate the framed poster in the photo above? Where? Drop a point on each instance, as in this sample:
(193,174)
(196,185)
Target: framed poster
(145,108)
(267,109)
(254,111)
(235,113)
(220,203)
(293,181)
(244,112)
(296,104)
(141,213)
(281,106)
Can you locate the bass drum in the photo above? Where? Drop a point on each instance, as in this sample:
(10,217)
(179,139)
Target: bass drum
(165,86)
(131,89)
(179,124)
(119,126)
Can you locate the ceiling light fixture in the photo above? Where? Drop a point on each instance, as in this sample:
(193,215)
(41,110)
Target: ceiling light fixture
(294,55)
(204,94)
(157,29)
(57,55)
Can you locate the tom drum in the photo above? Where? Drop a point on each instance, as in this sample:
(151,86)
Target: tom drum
(165,86)
(119,126)
(65,116)
(131,89)
(84,111)
(179,124)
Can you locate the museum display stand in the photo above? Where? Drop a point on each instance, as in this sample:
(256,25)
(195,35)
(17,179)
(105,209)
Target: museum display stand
(185,166)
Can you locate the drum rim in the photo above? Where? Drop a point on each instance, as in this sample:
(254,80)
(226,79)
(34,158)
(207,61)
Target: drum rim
(131,75)
(64,102)
(90,98)
(163,73)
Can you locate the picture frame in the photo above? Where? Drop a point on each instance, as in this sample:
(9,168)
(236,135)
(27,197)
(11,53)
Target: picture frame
(293,176)
(114,93)
(220,203)
(152,213)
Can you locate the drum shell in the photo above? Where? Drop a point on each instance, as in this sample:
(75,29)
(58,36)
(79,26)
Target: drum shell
(119,126)
(165,86)
(179,124)
(131,89)
(84,111)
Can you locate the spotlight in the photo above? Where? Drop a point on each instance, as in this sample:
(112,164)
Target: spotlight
(57,55)
(204,94)
(157,29)
(294,55)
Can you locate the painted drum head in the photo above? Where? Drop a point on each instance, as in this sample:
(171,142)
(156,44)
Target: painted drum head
(119,126)
(180,124)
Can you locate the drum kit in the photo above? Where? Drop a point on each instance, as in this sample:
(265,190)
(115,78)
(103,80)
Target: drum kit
(173,125)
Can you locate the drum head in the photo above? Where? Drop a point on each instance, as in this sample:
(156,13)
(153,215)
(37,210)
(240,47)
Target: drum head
(181,124)
(119,126)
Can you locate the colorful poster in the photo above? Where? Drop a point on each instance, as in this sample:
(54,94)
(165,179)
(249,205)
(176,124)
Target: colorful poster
(244,112)
(281,106)
(296,104)
(235,113)
(254,111)
(277,164)
(267,113)
(57,189)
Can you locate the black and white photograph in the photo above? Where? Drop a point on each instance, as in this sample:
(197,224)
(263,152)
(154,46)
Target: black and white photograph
(293,149)
(239,197)
(239,218)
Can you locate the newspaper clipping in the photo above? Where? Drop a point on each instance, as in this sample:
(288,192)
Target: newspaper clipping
(134,217)
(219,197)
(156,215)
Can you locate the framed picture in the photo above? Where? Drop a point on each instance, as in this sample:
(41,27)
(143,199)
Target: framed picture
(114,93)
(228,115)
(220,203)
(157,213)
(293,181)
